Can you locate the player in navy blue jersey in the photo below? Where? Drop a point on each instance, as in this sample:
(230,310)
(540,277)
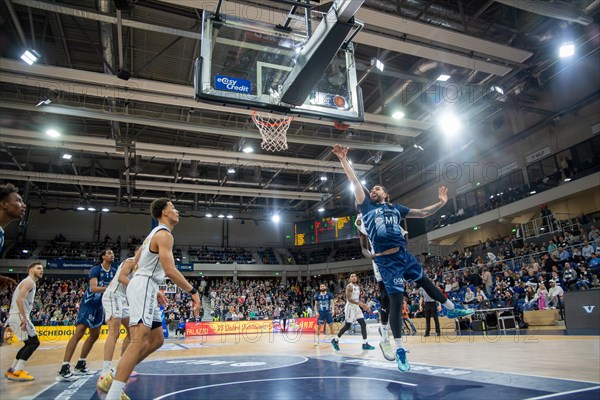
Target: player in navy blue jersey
(91,315)
(12,208)
(382,223)
(323,310)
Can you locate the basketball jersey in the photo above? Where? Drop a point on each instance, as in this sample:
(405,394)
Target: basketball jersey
(27,304)
(323,301)
(1,239)
(382,223)
(149,263)
(104,278)
(117,287)
(355,293)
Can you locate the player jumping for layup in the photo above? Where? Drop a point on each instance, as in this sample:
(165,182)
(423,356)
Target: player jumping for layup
(382,222)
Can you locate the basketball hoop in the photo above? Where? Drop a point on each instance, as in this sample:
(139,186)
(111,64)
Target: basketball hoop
(273,130)
(341,126)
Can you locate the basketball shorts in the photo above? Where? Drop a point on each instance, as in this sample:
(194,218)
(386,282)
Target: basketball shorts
(324,316)
(143,306)
(114,306)
(91,315)
(397,267)
(352,313)
(14,321)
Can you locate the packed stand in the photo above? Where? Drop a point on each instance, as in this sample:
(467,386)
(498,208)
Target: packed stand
(60,248)
(206,255)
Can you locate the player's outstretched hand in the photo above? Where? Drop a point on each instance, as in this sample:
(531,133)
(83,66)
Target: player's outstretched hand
(443,194)
(340,151)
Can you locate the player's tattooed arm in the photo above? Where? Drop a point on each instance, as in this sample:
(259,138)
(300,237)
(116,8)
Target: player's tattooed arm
(432,209)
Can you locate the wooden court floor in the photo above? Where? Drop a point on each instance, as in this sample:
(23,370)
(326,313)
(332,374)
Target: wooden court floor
(289,366)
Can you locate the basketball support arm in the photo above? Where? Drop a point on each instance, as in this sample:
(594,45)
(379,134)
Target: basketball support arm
(319,51)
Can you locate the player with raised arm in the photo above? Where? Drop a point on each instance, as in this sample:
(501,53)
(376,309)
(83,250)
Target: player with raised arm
(20,322)
(154,262)
(323,309)
(353,313)
(382,222)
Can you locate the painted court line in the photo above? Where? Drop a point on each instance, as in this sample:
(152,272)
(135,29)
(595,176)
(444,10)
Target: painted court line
(282,379)
(548,396)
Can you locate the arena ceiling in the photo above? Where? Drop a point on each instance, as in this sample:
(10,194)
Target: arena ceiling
(132,141)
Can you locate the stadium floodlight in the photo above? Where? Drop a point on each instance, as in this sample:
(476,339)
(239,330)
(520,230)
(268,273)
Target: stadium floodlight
(276,218)
(30,56)
(398,115)
(105,209)
(566,50)
(229,216)
(323,178)
(248,149)
(67,156)
(53,133)
(221,216)
(321,209)
(81,208)
(377,63)
(208,215)
(450,124)
(231,170)
(443,78)
(498,89)
(91,208)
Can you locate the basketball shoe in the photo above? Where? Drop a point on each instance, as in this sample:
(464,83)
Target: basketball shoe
(386,349)
(104,382)
(459,311)
(403,365)
(19,376)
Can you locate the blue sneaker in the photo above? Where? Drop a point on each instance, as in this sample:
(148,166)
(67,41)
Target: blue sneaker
(459,312)
(403,365)
(335,345)
(367,346)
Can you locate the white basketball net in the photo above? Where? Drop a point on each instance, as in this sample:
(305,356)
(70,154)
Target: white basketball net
(273,130)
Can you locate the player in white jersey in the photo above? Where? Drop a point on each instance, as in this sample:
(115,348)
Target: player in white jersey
(154,261)
(353,313)
(116,313)
(19,321)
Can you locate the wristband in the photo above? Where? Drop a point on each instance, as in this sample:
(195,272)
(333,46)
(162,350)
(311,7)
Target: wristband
(193,291)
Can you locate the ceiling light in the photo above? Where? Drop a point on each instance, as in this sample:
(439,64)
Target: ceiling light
(323,178)
(44,102)
(321,209)
(443,77)
(208,215)
(363,181)
(566,50)
(350,161)
(567,179)
(450,124)
(398,115)
(67,156)
(418,147)
(231,171)
(104,209)
(248,149)
(221,216)
(81,208)
(276,218)
(53,133)
(30,56)
(25,251)
(498,89)
(378,64)
(91,209)
(351,187)
(533,192)
(229,216)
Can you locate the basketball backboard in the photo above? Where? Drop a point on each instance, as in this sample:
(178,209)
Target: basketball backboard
(245,64)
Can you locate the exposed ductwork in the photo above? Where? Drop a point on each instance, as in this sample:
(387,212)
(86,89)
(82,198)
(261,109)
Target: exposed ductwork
(107,44)
(557,10)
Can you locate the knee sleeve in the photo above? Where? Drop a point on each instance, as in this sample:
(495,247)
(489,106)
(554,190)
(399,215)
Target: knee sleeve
(385,303)
(431,290)
(31,345)
(396,300)
(363,327)
(344,329)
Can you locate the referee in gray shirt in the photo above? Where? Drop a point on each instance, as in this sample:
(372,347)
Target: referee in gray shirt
(429,307)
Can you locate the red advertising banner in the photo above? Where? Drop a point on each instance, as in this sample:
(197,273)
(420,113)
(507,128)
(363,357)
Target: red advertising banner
(305,325)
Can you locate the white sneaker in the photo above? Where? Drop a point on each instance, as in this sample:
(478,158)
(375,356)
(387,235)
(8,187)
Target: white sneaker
(386,350)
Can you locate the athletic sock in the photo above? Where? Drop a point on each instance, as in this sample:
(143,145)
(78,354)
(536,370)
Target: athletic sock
(14,364)
(105,368)
(365,341)
(115,391)
(449,305)
(399,344)
(81,360)
(385,329)
(20,365)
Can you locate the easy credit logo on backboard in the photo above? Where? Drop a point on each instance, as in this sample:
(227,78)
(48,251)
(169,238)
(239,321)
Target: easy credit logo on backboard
(231,84)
